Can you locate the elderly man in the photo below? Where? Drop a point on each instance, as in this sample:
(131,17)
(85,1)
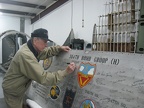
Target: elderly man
(25,67)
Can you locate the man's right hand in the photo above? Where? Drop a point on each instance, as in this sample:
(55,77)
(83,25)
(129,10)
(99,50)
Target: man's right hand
(71,67)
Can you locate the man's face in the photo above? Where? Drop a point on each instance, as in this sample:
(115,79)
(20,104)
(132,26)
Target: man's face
(40,44)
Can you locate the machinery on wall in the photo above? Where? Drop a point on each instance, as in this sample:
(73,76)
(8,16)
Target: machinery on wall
(10,42)
(117,30)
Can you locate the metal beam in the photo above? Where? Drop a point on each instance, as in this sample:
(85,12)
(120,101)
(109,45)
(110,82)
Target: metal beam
(17,12)
(48,10)
(22,4)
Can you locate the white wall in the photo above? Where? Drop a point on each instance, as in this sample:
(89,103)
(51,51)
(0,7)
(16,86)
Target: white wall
(58,22)
(8,22)
(28,27)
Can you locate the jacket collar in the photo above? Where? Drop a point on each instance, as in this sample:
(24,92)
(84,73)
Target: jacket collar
(30,46)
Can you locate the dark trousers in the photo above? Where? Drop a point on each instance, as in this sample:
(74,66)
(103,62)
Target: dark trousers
(26,106)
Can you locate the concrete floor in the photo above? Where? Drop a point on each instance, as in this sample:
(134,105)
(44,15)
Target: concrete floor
(2,102)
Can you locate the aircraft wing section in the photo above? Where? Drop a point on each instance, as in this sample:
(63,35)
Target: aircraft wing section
(101,80)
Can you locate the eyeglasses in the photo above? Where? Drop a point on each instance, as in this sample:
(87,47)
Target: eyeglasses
(45,41)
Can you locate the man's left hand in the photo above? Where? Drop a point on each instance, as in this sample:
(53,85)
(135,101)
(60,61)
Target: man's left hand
(65,48)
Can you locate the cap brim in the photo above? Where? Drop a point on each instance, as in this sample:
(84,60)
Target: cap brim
(47,39)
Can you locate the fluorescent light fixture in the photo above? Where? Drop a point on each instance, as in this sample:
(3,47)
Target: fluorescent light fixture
(1,13)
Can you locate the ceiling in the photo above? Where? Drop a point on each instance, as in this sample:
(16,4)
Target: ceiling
(35,9)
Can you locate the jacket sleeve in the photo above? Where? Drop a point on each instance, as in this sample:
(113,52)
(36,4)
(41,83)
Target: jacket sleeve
(33,70)
(49,52)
